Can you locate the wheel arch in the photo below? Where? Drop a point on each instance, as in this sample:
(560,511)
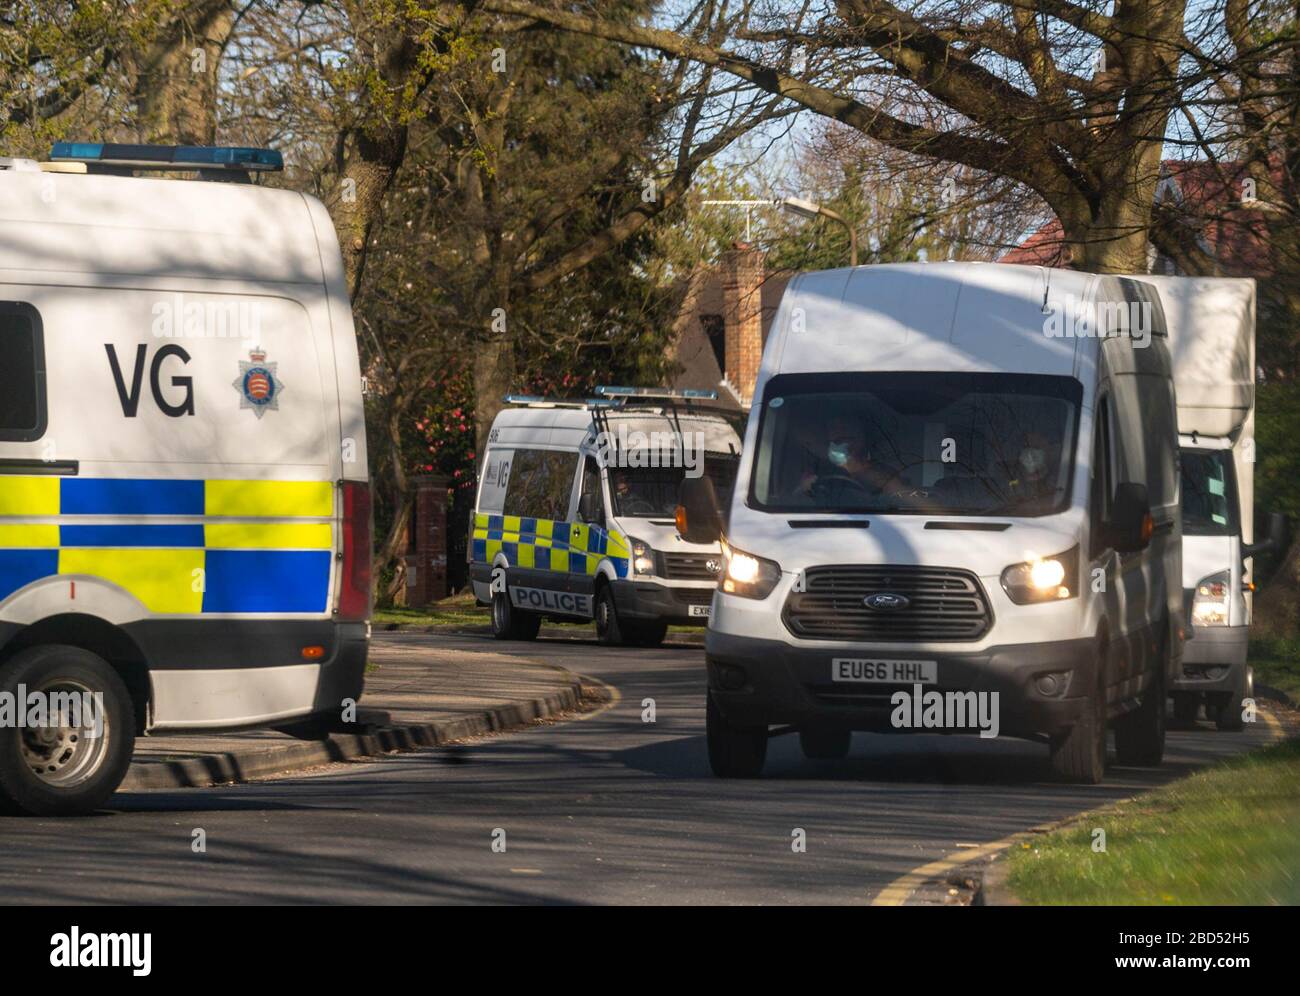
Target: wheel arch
(99,637)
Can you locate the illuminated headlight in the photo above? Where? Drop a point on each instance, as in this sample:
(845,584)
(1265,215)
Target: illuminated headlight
(643,557)
(1046,579)
(1210,603)
(747,575)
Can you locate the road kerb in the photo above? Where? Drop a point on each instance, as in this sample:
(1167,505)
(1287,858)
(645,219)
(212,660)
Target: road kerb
(240,766)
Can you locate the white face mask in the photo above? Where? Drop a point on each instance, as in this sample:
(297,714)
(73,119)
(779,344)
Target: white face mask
(838,454)
(1033,460)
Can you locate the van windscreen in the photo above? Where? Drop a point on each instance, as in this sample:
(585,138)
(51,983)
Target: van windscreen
(924,443)
(652,492)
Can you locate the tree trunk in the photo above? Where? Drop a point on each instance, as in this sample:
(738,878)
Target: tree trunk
(494,372)
(175,81)
(392,551)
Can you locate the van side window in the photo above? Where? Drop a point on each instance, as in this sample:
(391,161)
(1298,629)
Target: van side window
(541,484)
(591,504)
(22,373)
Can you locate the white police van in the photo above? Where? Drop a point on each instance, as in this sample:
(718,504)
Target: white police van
(575,512)
(184,497)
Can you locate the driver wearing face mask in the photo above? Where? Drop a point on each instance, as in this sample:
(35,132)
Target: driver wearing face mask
(846,458)
(1030,476)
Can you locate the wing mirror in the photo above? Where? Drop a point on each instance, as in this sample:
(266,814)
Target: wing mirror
(1130,524)
(1275,540)
(590,508)
(698,519)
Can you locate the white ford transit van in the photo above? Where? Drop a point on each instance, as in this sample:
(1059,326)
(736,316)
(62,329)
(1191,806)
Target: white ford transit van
(575,512)
(184,499)
(957,501)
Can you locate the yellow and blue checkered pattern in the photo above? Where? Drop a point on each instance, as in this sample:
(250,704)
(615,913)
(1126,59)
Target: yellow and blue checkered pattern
(178,568)
(548,545)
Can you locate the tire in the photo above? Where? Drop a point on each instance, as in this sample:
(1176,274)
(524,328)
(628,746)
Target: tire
(649,634)
(77,773)
(509,623)
(734,752)
(1227,716)
(608,629)
(1140,734)
(1187,707)
(825,744)
(1079,755)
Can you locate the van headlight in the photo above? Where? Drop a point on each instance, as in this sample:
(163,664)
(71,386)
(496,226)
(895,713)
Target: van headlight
(1210,602)
(1048,579)
(643,556)
(747,575)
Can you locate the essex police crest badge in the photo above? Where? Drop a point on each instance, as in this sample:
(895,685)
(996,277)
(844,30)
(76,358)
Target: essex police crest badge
(258,384)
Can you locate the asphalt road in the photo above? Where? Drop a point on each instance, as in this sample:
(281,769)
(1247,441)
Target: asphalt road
(602,809)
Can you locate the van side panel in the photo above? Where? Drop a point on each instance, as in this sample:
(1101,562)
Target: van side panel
(204,402)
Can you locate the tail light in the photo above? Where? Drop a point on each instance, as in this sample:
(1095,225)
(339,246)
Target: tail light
(354,587)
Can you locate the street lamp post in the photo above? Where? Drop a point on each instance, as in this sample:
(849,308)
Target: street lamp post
(807,209)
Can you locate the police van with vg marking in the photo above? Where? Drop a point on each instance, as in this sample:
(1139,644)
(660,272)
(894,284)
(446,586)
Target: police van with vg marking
(184,500)
(575,512)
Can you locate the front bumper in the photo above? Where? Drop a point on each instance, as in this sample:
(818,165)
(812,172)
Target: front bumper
(758,682)
(649,601)
(1214,660)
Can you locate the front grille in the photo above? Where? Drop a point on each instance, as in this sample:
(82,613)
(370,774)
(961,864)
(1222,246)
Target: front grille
(694,596)
(691,566)
(944,605)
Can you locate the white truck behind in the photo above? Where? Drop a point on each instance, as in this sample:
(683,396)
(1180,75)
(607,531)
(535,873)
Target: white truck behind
(1211,325)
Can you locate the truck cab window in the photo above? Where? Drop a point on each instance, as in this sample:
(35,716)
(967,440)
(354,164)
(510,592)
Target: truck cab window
(1209,493)
(22,374)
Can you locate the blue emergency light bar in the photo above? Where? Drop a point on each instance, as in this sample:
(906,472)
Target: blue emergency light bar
(164,157)
(688,394)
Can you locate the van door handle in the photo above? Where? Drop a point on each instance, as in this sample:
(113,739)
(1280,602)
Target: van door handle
(36,468)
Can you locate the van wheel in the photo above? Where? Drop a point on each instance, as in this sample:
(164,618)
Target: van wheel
(1228,715)
(1140,734)
(823,744)
(1187,706)
(509,623)
(66,769)
(608,629)
(734,752)
(648,634)
(1079,755)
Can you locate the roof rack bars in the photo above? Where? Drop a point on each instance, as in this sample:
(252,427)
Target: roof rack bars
(537,401)
(666,393)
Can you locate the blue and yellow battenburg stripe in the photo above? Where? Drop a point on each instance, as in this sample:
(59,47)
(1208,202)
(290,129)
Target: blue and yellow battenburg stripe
(548,545)
(173,569)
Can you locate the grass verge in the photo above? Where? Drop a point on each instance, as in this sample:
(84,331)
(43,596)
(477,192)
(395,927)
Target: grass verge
(1276,660)
(1229,835)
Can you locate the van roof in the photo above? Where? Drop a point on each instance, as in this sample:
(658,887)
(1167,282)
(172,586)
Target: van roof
(931,316)
(146,226)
